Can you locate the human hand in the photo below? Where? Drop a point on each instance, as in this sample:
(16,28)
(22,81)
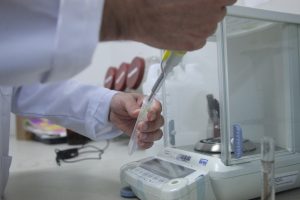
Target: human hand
(124,110)
(166,24)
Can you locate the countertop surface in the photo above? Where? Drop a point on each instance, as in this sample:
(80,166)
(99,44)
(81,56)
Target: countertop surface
(35,175)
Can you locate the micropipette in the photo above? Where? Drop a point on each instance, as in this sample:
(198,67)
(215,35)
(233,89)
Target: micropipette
(169,60)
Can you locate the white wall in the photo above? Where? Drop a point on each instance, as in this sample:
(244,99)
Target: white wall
(113,54)
(289,6)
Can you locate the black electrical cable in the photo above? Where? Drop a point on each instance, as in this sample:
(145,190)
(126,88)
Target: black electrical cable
(67,155)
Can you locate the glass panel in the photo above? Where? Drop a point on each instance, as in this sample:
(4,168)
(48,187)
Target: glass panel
(261,55)
(192,98)
(261,90)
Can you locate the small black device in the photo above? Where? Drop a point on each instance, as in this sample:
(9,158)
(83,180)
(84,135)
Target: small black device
(68,155)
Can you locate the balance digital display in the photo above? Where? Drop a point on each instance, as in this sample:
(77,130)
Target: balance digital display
(166,169)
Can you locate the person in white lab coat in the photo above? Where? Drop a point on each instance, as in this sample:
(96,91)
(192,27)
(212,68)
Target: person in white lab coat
(43,42)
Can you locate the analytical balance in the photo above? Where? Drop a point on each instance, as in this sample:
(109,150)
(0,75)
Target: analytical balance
(246,80)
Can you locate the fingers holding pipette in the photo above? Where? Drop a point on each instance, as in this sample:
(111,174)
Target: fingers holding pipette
(154,111)
(146,140)
(150,136)
(151,126)
(124,111)
(149,130)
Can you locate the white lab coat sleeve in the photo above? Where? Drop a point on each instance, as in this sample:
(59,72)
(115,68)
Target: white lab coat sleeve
(78,107)
(47,40)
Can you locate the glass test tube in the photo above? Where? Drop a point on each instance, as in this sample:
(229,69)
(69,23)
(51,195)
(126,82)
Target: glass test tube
(267,162)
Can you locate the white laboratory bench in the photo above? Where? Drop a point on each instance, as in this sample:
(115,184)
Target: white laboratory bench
(35,175)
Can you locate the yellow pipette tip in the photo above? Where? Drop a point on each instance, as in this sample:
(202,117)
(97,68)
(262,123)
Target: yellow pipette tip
(166,55)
